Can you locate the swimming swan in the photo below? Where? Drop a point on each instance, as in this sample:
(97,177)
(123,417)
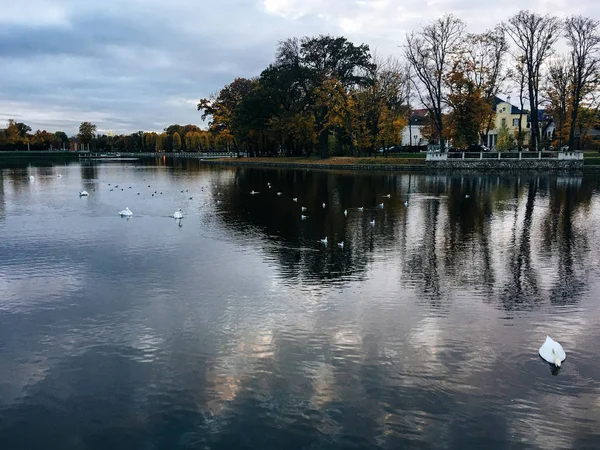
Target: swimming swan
(83,194)
(126,212)
(178,214)
(552,352)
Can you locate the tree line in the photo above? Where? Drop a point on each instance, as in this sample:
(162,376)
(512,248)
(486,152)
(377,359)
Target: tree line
(324,95)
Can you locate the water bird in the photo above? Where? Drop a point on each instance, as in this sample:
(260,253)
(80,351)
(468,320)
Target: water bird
(126,212)
(182,191)
(345,212)
(324,241)
(178,214)
(129,187)
(361,208)
(304,208)
(295,199)
(116,185)
(406,203)
(191,198)
(279,193)
(31,178)
(186,190)
(121,188)
(387,196)
(341,244)
(109,184)
(83,194)
(148,185)
(552,352)
(323,204)
(253,192)
(372,222)
(111,189)
(467,196)
(152,195)
(303,217)
(59,176)
(161,193)
(381,205)
(138,193)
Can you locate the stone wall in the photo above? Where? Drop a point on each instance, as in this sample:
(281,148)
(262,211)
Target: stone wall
(505,165)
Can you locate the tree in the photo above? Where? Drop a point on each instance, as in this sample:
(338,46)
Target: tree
(481,59)
(176,142)
(583,37)
(62,137)
(534,35)
(87,131)
(429,53)
(505,139)
(558,91)
(161,142)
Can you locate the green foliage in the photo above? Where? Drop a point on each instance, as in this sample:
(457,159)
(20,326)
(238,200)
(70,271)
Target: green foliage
(87,131)
(506,140)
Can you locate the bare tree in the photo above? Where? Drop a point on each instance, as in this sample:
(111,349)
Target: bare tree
(428,52)
(534,35)
(482,60)
(583,37)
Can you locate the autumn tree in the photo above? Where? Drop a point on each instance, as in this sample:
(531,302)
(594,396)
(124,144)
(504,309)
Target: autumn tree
(558,92)
(87,131)
(583,38)
(161,142)
(506,140)
(429,53)
(481,58)
(533,35)
(176,142)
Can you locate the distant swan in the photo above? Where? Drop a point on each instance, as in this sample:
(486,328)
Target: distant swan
(372,222)
(295,199)
(381,205)
(279,193)
(324,205)
(361,208)
(59,176)
(387,196)
(324,241)
(341,244)
(406,203)
(126,212)
(345,212)
(552,352)
(303,217)
(83,194)
(304,208)
(31,178)
(178,214)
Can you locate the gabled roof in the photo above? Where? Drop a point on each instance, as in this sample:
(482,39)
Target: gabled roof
(419,116)
(513,108)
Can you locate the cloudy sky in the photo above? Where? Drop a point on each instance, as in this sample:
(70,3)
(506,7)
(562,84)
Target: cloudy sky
(131,65)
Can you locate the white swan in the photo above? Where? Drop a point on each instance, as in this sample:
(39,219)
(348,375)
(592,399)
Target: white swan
(178,214)
(387,196)
(83,194)
(324,205)
(552,352)
(372,222)
(31,178)
(59,176)
(381,205)
(303,217)
(345,212)
(253,192)
(295,199)
(126,212)
(279,193)
(361,209)
(304,208)
(406,203)
(324,241)
(341,244)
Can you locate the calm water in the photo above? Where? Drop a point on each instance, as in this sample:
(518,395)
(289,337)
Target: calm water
(238,329)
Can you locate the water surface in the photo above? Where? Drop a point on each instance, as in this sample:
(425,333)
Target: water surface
(237,328)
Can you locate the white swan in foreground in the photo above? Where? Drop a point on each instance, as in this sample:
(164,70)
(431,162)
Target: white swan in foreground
(31,178)
(552,352)
(126,212)
(178,214)
(83,194)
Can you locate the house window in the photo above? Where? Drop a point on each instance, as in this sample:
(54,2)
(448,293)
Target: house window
(515,122)
(503,121)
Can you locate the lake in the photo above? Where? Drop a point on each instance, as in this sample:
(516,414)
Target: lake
(237,328)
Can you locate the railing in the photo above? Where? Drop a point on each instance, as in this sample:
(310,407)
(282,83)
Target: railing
(203,155)
(545,155)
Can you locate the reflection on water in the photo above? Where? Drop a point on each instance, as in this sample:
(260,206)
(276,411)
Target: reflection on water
(240,329)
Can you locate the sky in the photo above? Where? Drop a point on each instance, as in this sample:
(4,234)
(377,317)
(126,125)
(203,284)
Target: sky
(129,65)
